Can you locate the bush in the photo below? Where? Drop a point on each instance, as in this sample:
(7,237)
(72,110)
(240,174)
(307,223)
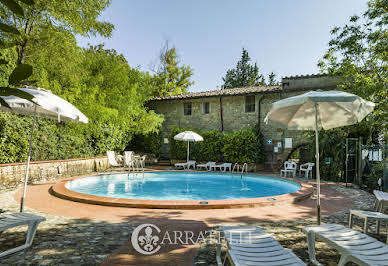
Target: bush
(241,146)
(150,143)
(53,140)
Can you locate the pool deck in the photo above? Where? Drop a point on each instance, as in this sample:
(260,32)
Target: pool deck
(59,189)
(40,198)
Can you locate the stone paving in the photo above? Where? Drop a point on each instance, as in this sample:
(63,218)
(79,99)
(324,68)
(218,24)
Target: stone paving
(75,241)
(62,240)
(289,233)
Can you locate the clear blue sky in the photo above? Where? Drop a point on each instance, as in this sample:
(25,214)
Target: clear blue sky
(283,36)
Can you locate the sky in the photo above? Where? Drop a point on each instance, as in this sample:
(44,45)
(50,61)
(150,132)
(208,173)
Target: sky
(286,37)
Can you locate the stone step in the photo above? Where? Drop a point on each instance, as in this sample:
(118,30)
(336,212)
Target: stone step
(164,162)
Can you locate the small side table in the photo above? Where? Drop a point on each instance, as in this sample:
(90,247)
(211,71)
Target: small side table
(378,216)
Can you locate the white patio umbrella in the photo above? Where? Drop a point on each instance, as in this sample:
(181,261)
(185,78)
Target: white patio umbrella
(188,136)
(317,110)
(46,104)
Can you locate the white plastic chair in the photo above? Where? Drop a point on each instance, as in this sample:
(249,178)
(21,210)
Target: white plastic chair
(207,165)
(112,159)
(249,245)
(307,168)
(142,161)
(354,246)
(223,167)
(186,164)
(129,159)
(10,220)
(289,167)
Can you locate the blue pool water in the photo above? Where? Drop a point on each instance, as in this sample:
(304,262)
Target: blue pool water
(182,186)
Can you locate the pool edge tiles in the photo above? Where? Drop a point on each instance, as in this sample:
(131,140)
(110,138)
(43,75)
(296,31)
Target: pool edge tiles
(60,190)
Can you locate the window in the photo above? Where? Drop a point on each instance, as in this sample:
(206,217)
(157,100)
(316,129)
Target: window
(206,108)
(187,108)
(249,104)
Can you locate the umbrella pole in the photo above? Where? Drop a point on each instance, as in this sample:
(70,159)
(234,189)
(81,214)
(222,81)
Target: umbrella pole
(188,150)
(317,167)
(28,164)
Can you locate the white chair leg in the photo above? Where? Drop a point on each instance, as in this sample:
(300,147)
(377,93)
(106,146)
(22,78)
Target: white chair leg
(311,248)
(344,259)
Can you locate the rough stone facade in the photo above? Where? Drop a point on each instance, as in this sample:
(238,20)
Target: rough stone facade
(234,115)
(12,175)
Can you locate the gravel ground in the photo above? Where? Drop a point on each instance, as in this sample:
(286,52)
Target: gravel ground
(290,236)
(68,241)
(62,240)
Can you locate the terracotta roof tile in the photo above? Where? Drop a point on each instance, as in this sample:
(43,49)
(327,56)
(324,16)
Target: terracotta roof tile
(224,92)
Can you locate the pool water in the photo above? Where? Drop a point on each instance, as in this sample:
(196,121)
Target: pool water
(182,186)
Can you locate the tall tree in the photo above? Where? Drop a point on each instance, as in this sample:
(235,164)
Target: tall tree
(272,79)
(358,54)
(13,76)
(244,74)
(171,77)
(77,17)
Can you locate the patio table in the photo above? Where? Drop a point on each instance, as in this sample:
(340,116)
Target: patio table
(378,216)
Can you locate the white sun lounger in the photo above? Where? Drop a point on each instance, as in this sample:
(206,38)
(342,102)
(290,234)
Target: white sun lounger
(186,164)
(11,220)
(354,246)
(112,159)
(381,200)
(223,167)
(248,245)
(207,165)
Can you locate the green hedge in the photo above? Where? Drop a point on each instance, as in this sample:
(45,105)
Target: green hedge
(150,143)
(53,140)
(241,146)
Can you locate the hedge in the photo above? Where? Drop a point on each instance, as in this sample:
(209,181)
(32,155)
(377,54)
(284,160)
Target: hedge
(243,146)
(53,140)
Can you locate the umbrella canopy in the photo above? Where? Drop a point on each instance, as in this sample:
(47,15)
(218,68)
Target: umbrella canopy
(188,136)
(334,108)
(45,104)
(317,110)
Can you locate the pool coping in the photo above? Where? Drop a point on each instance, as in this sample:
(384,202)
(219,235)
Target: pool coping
(59,190)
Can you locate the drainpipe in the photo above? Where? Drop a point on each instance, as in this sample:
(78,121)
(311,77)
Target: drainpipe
(221,116)
(259,113)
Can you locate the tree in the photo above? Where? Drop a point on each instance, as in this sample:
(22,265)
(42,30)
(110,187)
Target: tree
(171,78)
(76,17)
(15,76)
(244,74)
(272,79)
(358,54)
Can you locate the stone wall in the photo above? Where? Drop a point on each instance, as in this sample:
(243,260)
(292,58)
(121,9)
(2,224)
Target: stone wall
(234,118)
(12,175)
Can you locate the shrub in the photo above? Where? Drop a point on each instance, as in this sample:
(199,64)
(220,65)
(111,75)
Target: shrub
(150,143)
(241,146)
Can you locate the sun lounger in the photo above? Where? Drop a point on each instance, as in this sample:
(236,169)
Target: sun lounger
(381,200)
(223,167)
(11,220)
(112,159)
(354,246)
(129,159)
(186,165)
(206,165)
(249,245)
(368,215)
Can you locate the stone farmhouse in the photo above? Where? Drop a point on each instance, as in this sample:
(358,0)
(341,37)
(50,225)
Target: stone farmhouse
(229,110)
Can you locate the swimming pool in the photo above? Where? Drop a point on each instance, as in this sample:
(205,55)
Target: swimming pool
(181,186)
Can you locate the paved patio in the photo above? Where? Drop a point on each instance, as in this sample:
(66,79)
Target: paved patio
(40,199)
